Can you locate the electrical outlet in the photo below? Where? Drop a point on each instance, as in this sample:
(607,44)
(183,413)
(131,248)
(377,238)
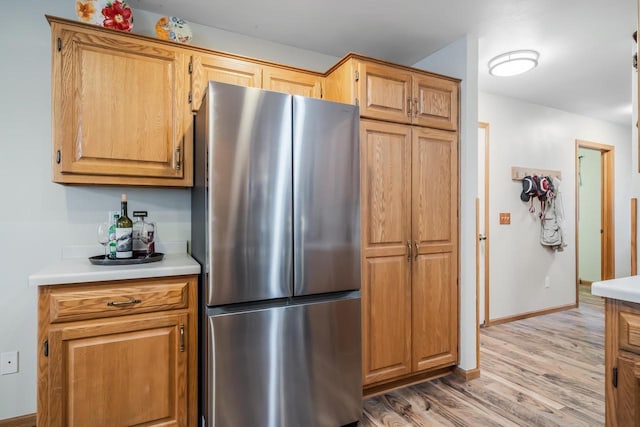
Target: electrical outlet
(8,362)
(547,283)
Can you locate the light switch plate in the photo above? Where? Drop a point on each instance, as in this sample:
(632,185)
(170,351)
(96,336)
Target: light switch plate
(8,362)
(505,217)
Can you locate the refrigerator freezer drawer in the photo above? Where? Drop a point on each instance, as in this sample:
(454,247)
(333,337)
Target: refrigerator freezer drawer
(288,366)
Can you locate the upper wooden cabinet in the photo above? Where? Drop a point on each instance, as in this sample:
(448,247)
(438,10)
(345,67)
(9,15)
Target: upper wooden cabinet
(205,68)
(247,73)
(395,93)
(292,82)
(120,109)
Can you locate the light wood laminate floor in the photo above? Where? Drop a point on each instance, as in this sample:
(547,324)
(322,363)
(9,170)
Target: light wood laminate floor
(543,371)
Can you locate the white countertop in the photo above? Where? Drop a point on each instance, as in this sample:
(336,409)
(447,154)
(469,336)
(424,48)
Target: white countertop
(78,269)
(623,289)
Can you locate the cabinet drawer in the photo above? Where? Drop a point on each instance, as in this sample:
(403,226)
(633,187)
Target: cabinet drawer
(96,301)
(629,331)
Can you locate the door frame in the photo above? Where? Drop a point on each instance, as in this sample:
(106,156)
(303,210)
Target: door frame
(485,126)
(607,253)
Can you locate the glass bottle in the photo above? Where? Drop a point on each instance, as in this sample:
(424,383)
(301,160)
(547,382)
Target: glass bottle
(124,232)
(139,248)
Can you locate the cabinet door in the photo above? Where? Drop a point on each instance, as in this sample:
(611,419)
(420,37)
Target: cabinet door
(434,158)
(435,102)
(628,391)
(125,372)
(384,92)
(386,289)
(292,82)
(119,107)
(207,68)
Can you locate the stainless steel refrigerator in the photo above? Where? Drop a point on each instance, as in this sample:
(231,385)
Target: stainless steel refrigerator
(276,228)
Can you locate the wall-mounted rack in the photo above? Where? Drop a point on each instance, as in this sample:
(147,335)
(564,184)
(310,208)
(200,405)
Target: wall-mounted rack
(518,173)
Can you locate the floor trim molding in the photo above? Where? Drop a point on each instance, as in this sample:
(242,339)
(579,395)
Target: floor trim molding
(23,421)
(467,374)
(529,314)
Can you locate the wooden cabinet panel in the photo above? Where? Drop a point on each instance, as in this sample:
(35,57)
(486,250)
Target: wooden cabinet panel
(386,314)
(136,368)
(122,372)
(120,109)
(435,314)
(628,391)
(292,82)
(207,68)
(435,102)
(385,164)
(384,92)
(434,158)
(96,301)
(629,330)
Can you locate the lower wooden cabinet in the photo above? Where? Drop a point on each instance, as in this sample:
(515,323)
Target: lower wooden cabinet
(126,356)
(622,363)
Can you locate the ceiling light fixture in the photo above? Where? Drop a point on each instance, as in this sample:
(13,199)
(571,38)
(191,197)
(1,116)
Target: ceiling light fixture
(513,63)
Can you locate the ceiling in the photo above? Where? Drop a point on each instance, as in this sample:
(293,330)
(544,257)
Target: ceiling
(585,46)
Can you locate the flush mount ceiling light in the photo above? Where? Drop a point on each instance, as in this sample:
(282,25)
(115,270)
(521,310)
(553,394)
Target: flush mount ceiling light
(513,63)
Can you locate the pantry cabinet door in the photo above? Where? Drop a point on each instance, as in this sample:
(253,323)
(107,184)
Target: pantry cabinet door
(435,102)
(386,288)
(120,109)
(384,92)
(435,241)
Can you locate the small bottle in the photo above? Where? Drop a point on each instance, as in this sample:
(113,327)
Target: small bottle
(124,232)
(113,218)
(139,248)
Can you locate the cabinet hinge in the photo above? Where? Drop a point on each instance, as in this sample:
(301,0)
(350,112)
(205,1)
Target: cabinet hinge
(357,75)
(190,98)
(321,93)
(59,44)
(190,67)
(357,102)
(58,157)
(181,337)
(45,348)
(614,378)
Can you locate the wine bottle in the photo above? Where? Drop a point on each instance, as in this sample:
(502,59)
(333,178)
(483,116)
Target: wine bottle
(124,232)
(113,218)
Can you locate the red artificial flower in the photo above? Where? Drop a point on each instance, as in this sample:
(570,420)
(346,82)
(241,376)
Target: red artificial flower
(117,15)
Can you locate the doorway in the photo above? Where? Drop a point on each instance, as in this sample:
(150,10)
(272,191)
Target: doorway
(594,214)
(482,227)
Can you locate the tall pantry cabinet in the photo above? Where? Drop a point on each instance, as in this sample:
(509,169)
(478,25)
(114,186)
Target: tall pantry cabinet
(409,199)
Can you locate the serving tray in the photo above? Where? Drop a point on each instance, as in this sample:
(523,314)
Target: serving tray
(137,259)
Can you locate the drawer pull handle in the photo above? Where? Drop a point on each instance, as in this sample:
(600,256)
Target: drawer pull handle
(119,303)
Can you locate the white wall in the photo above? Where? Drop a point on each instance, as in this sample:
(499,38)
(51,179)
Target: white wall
(37,217)
(524,134)
(589,214)
(460,60)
